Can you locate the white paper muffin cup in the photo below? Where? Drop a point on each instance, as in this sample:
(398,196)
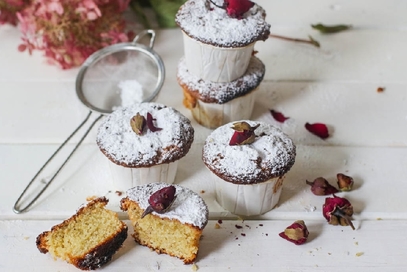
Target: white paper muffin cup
(213,115)
(216,64)
(125,178)
(248,199)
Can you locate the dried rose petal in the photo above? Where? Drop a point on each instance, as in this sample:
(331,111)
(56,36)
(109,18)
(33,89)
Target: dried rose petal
(321,186)
(345,183)
(318,129)
(161,200)
(137,123)
(296,233)
(244,134)
(235,8)
(278,116)
(150,123)
(337,211)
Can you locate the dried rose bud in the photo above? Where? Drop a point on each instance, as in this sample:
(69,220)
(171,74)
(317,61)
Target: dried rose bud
(337,211)
(161,200)
(244,134)
(345,183)
(318,129)
(235,8)
(297,233)
(321,186)
(137,123)
(150,123)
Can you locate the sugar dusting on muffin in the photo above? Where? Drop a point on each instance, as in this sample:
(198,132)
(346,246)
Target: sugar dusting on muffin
(202,21)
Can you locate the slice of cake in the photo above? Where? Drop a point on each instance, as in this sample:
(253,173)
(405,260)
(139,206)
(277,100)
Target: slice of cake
(177,230)
(88,239)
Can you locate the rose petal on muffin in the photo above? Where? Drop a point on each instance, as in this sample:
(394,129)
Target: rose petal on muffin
(150,123)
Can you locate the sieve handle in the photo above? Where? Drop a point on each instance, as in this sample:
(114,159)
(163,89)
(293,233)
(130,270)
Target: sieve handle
(17,206)
(144,33)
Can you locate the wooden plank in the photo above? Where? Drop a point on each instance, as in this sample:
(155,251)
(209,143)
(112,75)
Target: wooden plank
(329,248)
(355,112)
(380,184)
(359,13)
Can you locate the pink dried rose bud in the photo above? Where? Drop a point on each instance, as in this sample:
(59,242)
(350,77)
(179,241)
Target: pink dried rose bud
(321,186)
(244,133)
(150,123)
(337,211)
(161,200)
(296,233)
(345,183)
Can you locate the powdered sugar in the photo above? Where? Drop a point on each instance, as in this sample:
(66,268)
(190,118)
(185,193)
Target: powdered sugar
(220,93)
(131,92)
(207,23)
(271,155)
(188,207)
(122,145)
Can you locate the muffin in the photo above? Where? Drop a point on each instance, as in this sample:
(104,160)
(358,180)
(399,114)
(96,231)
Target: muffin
(176,231)
(214,104)
(145,142)
(88,239)
(217,46)
(249,160)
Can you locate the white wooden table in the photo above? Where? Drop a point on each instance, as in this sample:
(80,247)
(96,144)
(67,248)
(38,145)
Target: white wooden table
(336,84)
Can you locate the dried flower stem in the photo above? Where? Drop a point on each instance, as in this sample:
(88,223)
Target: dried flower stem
(310,41)
(339,213)
(216,5)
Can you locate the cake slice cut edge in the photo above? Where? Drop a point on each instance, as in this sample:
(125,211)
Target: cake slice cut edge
(88,239)
(163,235)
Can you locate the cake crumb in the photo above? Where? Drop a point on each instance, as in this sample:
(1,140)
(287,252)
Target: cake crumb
(356,243)
(380,89)
(194,267)
(243,234)
(358,254)
(220,221)
(217,226)
(379,218)
(119,193)
(90,198)
(202,191)
(238,226)
(26,237)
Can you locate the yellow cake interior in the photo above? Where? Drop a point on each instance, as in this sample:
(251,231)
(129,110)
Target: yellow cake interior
(78,235)
(164,235)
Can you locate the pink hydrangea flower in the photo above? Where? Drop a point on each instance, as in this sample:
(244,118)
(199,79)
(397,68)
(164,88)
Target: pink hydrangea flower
(68,31)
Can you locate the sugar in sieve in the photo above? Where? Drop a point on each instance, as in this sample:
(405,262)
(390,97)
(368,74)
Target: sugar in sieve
(103,83)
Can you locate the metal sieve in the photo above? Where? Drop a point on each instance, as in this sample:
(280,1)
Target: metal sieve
(114,76)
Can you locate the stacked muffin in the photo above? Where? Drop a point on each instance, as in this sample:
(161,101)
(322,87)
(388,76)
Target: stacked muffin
(219,74)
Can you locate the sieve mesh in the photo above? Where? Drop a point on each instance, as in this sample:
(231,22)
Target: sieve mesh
(100,84)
